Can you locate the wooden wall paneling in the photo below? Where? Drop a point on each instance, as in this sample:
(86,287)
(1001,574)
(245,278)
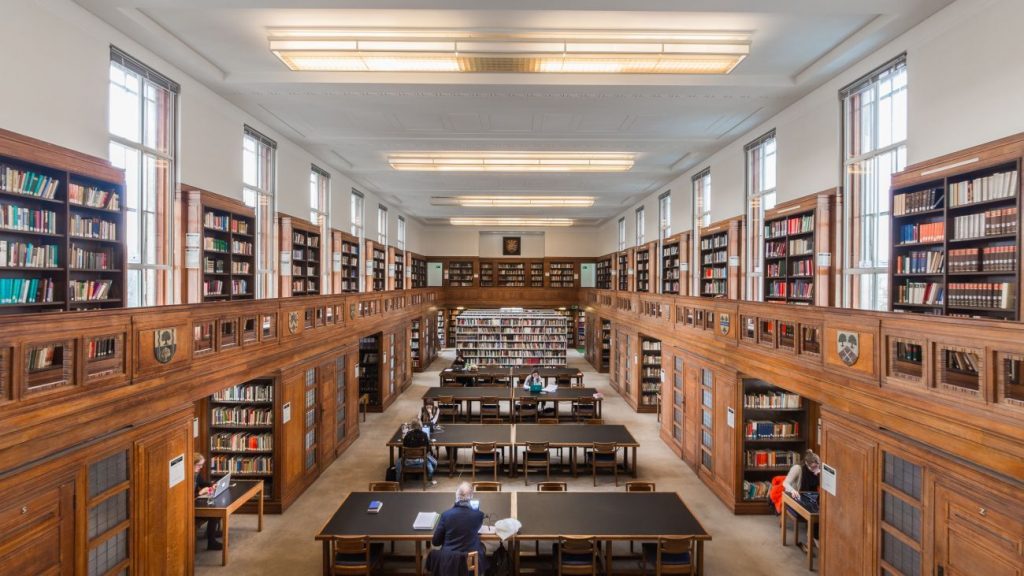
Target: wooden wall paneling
(37,530)
(327,396)
(973,536)
(163,512)
(291,473)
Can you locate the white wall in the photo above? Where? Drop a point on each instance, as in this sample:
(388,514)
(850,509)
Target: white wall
(466,241)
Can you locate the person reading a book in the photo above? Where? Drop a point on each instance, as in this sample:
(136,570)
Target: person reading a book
(204,488)
(803,477)
(457,533)
(430,414)
(534,382)
(415,437)
(459,363)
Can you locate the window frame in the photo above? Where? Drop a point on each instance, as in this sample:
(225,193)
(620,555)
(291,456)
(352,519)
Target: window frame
(400,233)
(760,199)
(382,225)
(264,201)
(162,290)
(665,214)
(701,192)
(320,214)
(876,273)
(622,233)
(357,207)
(640,219)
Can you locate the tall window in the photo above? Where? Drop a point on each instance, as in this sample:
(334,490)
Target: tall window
(665,214)
(401,233)
(874,147)
(701,217)
(320,214)
(760,197)
(143,142)
(258,165)
(357,213)
(622,233)
(382,224)
(640,226)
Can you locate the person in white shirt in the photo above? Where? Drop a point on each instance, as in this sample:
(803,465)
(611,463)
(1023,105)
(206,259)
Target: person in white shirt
(803,477)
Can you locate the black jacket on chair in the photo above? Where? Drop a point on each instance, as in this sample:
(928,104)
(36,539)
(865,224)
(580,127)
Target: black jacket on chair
(458,530)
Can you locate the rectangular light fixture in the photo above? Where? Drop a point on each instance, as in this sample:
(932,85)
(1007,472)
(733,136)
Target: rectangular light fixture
(510,221)
(512,161)
(514,201)
(568,51)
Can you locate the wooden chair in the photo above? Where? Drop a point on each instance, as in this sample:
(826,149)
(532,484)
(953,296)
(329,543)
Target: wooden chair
(449,379)
(526,408)
(584,408)
(447,406)
(670,556)
(640,486)
(576,555)
(385,486)
(473,563)
(354,555)
(489,408)
(491,421)
(604,455)
(538,456)
(486,486)
(552,487)
(409,465)
(547,420)
(485,455)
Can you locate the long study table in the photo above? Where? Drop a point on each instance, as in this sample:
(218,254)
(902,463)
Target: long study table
(607,516)
(468,395)
(456,436)
(489,375)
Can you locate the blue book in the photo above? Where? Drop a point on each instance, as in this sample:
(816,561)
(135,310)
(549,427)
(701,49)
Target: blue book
(375,506)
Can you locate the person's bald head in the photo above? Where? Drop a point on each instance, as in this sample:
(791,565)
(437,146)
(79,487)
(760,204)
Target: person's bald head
(464,493)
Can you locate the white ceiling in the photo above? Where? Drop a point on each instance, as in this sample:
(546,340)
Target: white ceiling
(353,121)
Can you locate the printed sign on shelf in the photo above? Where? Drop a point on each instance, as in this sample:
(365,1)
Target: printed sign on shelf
(828,479)
(176,470)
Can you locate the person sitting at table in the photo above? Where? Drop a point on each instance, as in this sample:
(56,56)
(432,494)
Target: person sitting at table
(532,380)
(803,477)
(416,437)
(204,488)
(457,533)
(459,363)
(430,414)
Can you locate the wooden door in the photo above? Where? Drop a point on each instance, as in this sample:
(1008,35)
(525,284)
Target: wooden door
(849,519)
(691,430)
(976,535)
(327,397)
(37,532)
(163,518)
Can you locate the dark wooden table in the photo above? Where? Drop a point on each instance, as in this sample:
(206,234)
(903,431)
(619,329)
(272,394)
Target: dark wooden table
(488,375)
(460,436)
(608,516)
(394,521)
(799,511)
(227,502)
(467,395)
(573,436)
(562,394)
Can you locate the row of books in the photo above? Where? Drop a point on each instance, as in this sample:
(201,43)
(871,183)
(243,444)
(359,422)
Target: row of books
(16,254)
(101,348)
(91,227)
(908,352)
(983,189)
(718,257)
(715,273)
(546,353)
(213,266)
(242,464)
(770,458)
(246,393)
(215,244)
(792,225)
(650,372)
(770,429)
(670,250)
(921,262)
(796,289)
(772,400)
(509,323)
(803,267)
(650,345)
(25,290)
(982,294)
(714,241)
(225,223)
(987,259)
(923,232)
(914,202)
(241,442)
(920,293)
(299,270)
(801,247)
(550,336)
(84,259)
(300,285)
(94,197)
(241,267)
(961,361)
(989,223)
(240,247)
(14,217)
(652,359)
(28,183)
(241,416)
(311,240)
(471,345)
(43,357)
(756,490)
(713,287)
(84,290)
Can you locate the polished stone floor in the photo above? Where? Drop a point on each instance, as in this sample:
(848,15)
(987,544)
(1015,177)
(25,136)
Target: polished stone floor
(741,545)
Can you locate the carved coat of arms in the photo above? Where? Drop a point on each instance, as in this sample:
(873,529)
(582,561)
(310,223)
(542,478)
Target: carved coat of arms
(165,344)
(848,347)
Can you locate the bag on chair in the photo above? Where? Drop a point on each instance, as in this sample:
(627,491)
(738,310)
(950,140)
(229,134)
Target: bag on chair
(500,563)
(391,475)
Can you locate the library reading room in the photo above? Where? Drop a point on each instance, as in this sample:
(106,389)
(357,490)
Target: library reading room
(495,288)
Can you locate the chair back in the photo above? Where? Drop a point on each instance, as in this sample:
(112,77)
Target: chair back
(605,448)
(675,555)
(552,487)
(385,487)
(473,563)
(538,447)
(486,486)
(489,401)
(414,454)
(483,447)
(639,486)
(350,555)
(576,548)
(447,379)
(547,421)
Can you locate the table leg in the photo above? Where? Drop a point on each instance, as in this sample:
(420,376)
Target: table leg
(635,466)
(259,510)
(810,544)
(608,557)
(700,557)
(572,461)
(391,455)
(224,529)
(327,558)
(782,522)
(419,558)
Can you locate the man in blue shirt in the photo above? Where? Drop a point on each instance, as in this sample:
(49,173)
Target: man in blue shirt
(458,533)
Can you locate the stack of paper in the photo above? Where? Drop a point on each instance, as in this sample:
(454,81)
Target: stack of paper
(425,521)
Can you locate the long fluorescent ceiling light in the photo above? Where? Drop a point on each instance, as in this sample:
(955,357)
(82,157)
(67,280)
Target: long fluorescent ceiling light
(514,201)
(512,161)
(510,221)
(558,51)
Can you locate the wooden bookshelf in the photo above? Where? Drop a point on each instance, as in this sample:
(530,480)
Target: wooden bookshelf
(303,239)
(459,274)
(606,345)
(623,270)
(720,244)
(675,269)
(371,369)
(486,274)
(507,339)
(795,233)
(774,428)
(536,269)
(242,431)
(418,271)
(956,233)
(650,375)
(509,274)
(345,277)
(423,342)
(226,228)
(563,274)
(603,273)
(397,258)
(62,226)
(644,264)
(376,277)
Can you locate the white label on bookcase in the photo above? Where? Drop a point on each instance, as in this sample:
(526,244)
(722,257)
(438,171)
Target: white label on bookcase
(663,376)
(828,479)
(192,258)
(336,262)
(684,267)
(192,239)
(176,470)
(730,417)
(195,427)
(286,263)
(391,270)
(369,267)
(734,261)
(824,259)
(286,413)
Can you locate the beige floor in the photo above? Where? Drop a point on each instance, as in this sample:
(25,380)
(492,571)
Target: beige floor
(741,545)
